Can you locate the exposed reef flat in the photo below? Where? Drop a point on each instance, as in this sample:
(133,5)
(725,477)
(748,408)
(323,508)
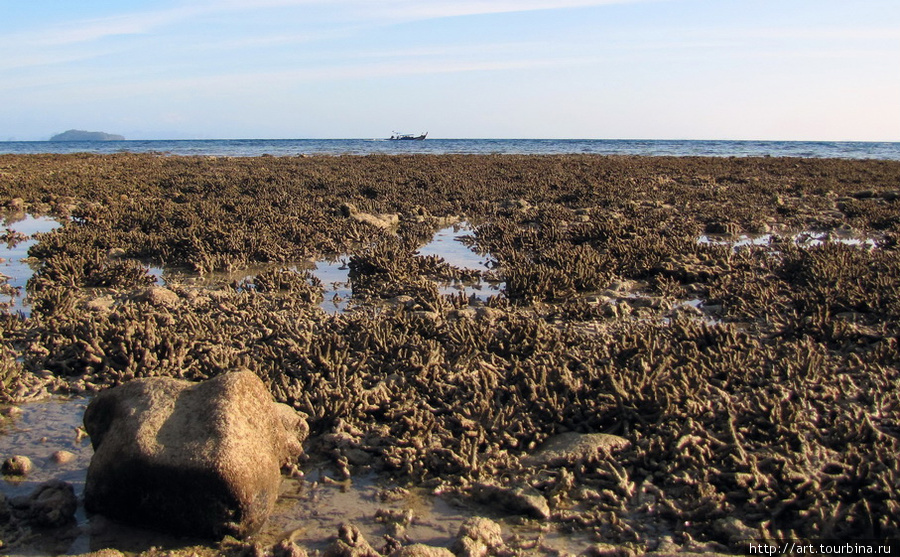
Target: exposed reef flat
(734,321)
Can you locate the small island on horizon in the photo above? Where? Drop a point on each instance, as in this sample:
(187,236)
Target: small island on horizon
(81,135)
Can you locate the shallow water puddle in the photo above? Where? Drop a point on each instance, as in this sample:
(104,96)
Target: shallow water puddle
(333,271)
(14,255)
(447,243)
(310,510)
(37,430)
(805,238)
(334,274)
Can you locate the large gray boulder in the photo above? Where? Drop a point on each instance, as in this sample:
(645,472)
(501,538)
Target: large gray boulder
(202,459)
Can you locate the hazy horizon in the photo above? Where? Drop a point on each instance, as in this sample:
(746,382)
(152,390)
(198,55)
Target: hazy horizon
(769,70)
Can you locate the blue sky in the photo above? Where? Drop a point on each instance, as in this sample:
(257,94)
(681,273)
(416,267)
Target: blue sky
(651,69)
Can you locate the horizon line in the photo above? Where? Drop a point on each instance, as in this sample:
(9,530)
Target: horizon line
(462,139)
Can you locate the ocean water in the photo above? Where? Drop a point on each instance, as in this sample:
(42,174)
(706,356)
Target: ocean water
(293,147)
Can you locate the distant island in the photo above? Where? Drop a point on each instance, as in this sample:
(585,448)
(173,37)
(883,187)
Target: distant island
(81,135)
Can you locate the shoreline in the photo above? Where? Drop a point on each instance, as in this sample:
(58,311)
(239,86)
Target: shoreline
(289,147)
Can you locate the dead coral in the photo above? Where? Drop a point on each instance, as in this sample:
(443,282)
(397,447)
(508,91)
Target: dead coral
(777,415)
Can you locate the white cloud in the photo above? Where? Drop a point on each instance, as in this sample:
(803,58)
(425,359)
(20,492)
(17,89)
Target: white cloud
(89,30)
(417,9)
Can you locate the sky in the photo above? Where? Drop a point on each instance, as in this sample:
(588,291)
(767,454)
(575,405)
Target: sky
(607,69)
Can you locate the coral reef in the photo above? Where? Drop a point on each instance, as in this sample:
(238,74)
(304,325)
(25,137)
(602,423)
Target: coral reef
(753,380)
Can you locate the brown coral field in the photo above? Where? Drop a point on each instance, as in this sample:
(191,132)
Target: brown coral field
(735,320)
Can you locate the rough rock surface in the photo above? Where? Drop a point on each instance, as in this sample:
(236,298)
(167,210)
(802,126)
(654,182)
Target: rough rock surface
(158,296)
(421,550)
(516,499)
(51,504)
(196,458)
(17,466)
(572,447)
(478,537)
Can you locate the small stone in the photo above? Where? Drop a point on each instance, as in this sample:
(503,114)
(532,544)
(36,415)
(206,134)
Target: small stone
(721,228)
(393,494)
(104,553)
(608,550)
(17,466)
(478,537)
(350,543)
(158,296)
(62,457)
(464,313)
(11,412)
(734,530)
(488,314)
(521,500)
(422,550)
(51,504)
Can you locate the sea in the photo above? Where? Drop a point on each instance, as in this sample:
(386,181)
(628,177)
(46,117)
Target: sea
(336,147)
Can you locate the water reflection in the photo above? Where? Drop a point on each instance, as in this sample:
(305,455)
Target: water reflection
(448,243)
(19,231)
(333,271)
(806,238)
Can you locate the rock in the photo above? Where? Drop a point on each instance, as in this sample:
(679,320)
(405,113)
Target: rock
(157,296)
(384,221)
(734,530)
(489,314)
(100,304)
(464,313)
(62,457)
(347,209)
(16,204)
(422,550)
(103,553)
(51,504)
(11,412)
(514,499)
(17,466)
(350,543)
(202,459)
(863,194)
(721,228)
(571,447)
(608,550)
(517,204)
(478,537)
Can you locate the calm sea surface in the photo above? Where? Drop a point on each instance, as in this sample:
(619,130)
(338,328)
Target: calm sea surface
(283,147)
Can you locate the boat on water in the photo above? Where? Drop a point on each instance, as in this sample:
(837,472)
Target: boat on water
(407,137)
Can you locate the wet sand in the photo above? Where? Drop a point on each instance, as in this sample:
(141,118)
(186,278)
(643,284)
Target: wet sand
(735,320)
